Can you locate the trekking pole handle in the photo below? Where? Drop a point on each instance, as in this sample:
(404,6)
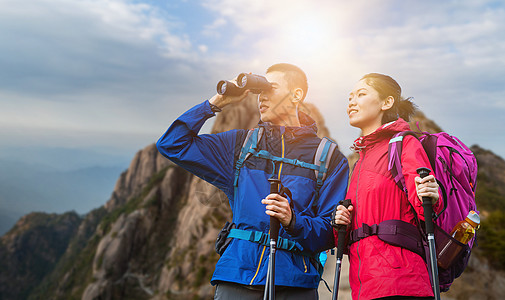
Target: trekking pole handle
(340,246)
(428,220)
(427,205)
(274,222)
(346,203)
(341,229)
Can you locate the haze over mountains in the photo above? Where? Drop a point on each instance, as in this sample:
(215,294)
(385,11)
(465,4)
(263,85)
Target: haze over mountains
(54,180)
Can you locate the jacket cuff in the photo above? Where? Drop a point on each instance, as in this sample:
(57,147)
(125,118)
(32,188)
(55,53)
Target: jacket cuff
(208,109)
(290,229)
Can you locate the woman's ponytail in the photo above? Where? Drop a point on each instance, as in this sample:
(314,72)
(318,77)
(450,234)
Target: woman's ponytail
(406,108)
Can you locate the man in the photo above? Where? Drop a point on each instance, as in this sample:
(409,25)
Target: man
(305,219)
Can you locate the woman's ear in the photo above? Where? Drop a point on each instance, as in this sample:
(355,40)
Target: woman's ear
(388,103)
(297,95)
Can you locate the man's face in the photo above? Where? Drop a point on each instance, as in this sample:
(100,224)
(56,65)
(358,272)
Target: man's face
(275,105)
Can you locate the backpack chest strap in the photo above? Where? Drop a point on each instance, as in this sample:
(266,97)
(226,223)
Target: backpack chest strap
(291,161)
(321,169)
(394,232)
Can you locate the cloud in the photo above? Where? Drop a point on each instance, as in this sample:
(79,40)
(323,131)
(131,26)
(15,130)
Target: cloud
(212,30)
(54,46)
(449,55)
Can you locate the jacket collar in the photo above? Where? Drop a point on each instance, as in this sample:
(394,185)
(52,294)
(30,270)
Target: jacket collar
(386,131)
(308,127)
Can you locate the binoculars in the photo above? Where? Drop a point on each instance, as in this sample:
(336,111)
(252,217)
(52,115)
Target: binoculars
(255,83)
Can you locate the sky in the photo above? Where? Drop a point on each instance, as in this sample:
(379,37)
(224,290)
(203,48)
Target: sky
(109,76)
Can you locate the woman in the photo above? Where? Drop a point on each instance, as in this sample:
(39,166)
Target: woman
(379,270)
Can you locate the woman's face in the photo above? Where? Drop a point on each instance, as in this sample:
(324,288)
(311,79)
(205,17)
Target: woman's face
(365,109)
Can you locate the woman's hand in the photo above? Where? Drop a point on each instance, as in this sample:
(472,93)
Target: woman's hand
(427,187)
(342,215)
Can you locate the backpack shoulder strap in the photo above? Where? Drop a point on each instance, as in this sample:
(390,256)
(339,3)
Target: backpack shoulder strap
(429,143)
(249,146)
(394,158)
(322,160)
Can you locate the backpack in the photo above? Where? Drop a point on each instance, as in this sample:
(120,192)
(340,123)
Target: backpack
(455,169)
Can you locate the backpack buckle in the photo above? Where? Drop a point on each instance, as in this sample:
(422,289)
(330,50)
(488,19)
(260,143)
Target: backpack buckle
(370,230)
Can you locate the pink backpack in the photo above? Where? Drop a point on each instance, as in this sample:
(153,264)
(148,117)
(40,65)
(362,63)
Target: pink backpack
(455,168)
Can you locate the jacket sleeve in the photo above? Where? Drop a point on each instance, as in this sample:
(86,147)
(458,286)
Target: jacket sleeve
(208,156)
(414,157)
(314,232)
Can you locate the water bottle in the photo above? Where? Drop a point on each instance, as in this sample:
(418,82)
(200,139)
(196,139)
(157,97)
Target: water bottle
(465,230)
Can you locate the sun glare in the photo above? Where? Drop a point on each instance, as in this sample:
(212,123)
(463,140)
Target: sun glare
(309,36)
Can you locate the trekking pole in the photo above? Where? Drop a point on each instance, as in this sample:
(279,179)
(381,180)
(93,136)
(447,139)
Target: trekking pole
(274,234)
(340,248)
(428,220)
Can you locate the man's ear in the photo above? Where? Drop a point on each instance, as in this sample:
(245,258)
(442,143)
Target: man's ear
(297,95)
(388,103)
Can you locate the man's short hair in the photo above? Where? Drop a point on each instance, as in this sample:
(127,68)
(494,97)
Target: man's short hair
(293,75)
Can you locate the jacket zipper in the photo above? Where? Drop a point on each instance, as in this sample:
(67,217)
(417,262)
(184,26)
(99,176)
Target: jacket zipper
(259,264)
(264,247)
(279,176)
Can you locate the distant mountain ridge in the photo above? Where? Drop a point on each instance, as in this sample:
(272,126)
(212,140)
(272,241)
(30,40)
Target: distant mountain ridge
(26,187)
(7,220)
(154,238)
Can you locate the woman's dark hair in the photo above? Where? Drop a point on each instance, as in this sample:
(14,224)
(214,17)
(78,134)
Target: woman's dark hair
(387,86)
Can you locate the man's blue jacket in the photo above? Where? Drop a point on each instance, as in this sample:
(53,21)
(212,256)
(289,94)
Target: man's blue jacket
(212,157)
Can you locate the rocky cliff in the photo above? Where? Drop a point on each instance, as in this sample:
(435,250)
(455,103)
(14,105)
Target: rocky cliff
(154,238)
